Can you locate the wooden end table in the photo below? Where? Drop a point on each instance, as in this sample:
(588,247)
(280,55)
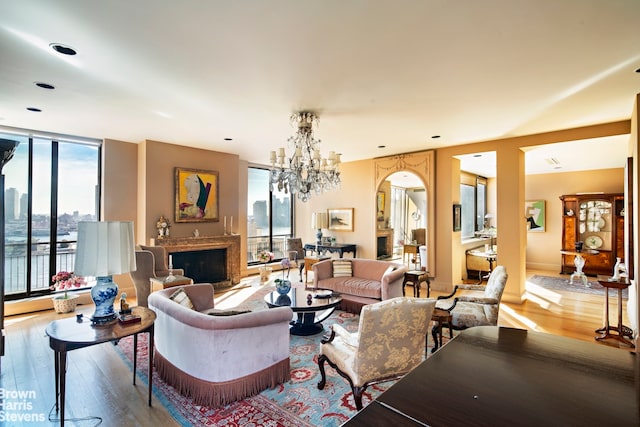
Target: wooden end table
(621,330)
(414,278)
(73,333)
(441,317)
(308,264)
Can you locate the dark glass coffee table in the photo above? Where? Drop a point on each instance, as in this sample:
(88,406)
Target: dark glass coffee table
(311,307)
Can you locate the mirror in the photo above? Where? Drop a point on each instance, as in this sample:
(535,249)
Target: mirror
(401,203)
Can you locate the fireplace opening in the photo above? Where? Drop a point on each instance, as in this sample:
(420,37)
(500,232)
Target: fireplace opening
(382,247)
(203,266)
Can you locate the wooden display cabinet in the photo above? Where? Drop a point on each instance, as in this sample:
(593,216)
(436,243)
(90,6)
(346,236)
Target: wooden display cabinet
(598,221)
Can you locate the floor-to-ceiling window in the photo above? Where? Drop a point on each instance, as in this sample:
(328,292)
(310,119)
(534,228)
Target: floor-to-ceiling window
(50,185)
(473,198)
(269,217)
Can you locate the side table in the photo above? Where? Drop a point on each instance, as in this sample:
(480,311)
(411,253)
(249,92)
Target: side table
(622,330)
(75,332)
(308,265)
(579,262)
(441,317)
(158,283)
(414,278)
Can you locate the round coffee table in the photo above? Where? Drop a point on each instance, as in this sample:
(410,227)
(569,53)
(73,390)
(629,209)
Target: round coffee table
(311,307)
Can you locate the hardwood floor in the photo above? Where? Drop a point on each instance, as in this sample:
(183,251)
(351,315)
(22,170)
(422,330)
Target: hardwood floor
(99,384)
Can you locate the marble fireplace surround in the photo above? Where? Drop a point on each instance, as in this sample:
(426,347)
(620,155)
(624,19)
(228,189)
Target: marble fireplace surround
(230,242)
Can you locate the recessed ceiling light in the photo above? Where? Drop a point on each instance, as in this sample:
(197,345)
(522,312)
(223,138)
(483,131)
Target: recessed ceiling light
(34,109)
(382,146)
(477,155)
(638,70)
(435,137)
(228,139)
(45,85)
(65,50)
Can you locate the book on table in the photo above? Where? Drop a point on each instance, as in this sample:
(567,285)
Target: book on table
(129,318)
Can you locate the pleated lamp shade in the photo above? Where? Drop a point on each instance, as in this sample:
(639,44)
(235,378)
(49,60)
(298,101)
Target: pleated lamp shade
(104,248)
(320,220)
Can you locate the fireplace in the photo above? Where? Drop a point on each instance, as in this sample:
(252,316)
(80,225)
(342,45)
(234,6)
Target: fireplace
(206,259)
(382,247)
(384,243)
(203,266)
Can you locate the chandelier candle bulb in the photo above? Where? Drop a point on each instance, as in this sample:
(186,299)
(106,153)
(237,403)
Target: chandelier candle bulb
(273,157)
(305,171)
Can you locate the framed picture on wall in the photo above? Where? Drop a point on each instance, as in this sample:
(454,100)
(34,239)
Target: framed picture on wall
(457,217)
(196,195)
(534,212)
(341,219)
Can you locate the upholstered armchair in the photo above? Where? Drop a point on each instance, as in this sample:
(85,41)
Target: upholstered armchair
(479,308)
(151,262)
(296,252)
(389,343)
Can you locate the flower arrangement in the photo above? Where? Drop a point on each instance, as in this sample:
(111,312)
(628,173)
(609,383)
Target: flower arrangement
(265,256)
(283,286)
(64,280)
(285,263)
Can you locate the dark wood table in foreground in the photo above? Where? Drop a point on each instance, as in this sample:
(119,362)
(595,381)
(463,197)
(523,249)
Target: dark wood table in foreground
(491,376)
(72,333)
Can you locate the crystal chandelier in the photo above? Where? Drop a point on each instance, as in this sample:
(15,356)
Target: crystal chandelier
(305,170)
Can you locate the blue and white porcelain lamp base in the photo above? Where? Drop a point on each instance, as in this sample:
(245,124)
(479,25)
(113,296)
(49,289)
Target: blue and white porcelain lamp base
(103,295)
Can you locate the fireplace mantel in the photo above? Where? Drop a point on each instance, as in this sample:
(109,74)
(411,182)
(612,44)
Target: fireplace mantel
(230,242)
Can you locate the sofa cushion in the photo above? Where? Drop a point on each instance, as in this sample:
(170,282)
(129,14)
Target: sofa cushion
(342,268)
(353,286)
(181,297)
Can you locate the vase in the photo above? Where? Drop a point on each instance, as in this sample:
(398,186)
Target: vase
(265,272)
(283,286)
(65,305)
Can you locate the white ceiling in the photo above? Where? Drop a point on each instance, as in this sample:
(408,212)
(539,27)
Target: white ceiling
(391,73)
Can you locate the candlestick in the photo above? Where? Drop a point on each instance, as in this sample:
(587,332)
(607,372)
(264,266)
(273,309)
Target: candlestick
(170,260)
(231,228)
(225,224)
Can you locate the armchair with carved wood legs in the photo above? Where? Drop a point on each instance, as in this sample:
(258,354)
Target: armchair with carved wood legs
(390,341)
(476,308)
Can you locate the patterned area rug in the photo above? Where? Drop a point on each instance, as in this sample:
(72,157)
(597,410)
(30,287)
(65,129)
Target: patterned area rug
(296,403)
(562,284)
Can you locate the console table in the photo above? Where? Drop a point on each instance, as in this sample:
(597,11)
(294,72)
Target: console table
(497,376)
(340,248)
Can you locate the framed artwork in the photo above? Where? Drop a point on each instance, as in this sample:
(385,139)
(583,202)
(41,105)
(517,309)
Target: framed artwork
(534,212)
(380,206)
(457,217)
(341,219)
(196,195)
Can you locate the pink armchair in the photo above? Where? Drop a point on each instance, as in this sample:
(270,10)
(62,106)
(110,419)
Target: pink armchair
(216,360)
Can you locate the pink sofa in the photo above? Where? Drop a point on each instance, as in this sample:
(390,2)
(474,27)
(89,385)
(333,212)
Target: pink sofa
(218,359)
(371,281)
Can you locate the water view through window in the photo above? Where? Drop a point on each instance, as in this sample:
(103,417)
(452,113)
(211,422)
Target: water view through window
(50,185)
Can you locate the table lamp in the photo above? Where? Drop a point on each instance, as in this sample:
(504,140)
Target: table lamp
(104,248)
(319,220)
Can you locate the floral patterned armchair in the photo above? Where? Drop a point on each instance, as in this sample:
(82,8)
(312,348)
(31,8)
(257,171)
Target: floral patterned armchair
(389,343)
(476,308)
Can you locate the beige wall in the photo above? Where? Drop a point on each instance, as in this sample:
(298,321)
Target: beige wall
(510,191)
(543,248)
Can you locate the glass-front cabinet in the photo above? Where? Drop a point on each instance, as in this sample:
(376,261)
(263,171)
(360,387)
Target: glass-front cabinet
(596,220)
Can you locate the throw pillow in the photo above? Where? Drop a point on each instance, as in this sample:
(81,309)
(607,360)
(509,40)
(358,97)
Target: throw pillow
(215,312)
(181,297)
(342,268)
